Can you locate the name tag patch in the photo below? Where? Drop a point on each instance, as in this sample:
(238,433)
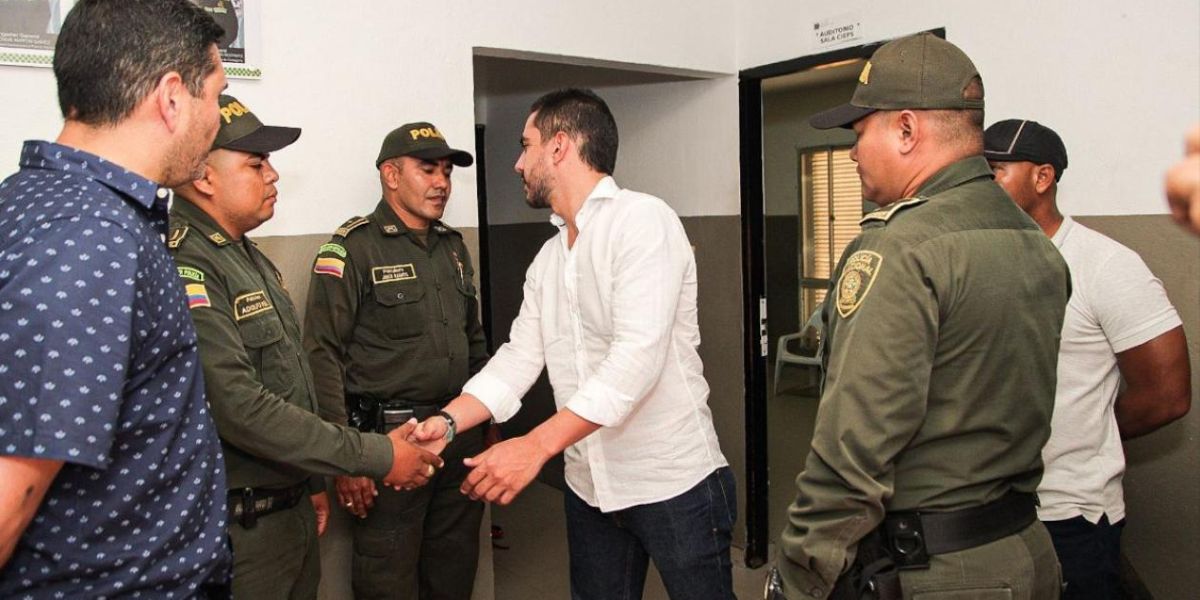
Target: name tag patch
(393,273)
(248,305)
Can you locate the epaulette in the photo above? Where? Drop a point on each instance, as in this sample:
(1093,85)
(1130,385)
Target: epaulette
(886,213)
(177,235)
(351,225)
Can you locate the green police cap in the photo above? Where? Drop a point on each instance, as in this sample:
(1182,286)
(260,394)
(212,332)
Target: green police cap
(241,130)
(920,71)
(420,140)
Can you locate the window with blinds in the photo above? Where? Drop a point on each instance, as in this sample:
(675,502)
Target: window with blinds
(830,207)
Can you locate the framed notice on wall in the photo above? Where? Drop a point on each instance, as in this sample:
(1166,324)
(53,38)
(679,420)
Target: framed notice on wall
(29,30)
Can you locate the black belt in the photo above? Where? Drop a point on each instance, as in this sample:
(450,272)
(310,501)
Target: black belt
(911,537)
(371,414)
(246,505)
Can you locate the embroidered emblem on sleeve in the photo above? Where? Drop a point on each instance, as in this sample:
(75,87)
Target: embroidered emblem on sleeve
(197,295)
(856,280)
(331,248)
(327,265)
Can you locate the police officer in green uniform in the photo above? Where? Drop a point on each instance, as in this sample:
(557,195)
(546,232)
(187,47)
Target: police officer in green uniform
(259,385)
(392,332)
(943,328)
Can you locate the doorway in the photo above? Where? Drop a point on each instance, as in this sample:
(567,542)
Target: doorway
(800,206)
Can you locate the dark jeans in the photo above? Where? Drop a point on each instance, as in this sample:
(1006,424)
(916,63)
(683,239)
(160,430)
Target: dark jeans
(687,536)
(1090,556)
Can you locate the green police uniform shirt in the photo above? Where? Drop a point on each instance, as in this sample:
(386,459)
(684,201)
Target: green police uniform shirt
(258,383)
(389,318)
(943,323)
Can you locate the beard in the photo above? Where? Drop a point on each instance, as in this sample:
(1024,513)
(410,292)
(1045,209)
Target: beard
(184,161)
(537,193)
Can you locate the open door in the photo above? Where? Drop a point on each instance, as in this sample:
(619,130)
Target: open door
(801,202)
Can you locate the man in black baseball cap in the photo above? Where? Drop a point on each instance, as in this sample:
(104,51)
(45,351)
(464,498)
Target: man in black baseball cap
(927,448)
(392,331)
(260,388)
(1120,327)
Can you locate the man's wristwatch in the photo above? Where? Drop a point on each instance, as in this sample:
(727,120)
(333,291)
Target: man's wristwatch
(451,426)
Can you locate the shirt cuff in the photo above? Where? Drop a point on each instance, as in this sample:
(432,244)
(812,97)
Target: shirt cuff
(600,403)
(376,455)
(496,395)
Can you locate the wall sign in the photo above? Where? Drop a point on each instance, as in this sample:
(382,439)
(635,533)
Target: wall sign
(841,30)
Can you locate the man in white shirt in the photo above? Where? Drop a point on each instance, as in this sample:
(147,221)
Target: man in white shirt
(1119,326)
(610,310)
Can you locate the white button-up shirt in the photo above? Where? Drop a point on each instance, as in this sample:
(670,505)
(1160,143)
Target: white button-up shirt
(613,320)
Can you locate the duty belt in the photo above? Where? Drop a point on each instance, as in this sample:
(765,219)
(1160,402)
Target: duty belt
(382,416)
(911,537)
(246,505)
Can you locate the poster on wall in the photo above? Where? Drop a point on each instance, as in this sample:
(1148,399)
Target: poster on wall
(29,30)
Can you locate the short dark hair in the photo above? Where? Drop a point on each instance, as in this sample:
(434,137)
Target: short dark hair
(963,126)
(584,116)
(111,53)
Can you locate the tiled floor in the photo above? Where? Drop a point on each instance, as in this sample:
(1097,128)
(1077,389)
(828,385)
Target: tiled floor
(534,567)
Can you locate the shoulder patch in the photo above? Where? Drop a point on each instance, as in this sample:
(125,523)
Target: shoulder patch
(191,273)
(332,248)
(197,295)
(177,235)
(351,225)
(886,213)
(328,265)
(855,282)
(248,305)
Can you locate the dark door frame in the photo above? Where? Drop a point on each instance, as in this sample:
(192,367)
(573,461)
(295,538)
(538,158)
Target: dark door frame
(755,343)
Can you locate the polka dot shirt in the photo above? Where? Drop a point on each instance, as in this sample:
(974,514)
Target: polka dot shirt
(98,368)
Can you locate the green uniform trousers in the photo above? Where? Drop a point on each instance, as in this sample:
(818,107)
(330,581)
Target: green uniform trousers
(279,558)
(1022,566)
(422,544)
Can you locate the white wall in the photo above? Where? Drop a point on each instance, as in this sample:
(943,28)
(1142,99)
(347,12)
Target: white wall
(1119,81)
(664,149)
(347,73)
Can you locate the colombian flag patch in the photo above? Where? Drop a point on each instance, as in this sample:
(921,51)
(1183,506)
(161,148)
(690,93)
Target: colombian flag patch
(329,266)
(197,295)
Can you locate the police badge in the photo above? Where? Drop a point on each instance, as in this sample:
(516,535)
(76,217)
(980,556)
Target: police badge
(857,277)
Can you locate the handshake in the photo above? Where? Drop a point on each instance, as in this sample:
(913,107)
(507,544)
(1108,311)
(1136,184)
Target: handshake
(415,460)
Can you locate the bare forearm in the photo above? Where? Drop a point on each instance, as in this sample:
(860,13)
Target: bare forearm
(26,481)
(1142,410)
(560,431)
(467,411)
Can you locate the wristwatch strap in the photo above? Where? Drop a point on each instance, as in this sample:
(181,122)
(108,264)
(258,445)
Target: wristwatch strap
(451,425)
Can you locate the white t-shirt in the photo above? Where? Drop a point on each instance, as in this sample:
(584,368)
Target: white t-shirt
(1116,304)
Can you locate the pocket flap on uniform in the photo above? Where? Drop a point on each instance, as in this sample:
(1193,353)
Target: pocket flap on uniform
(261,331)
(399,292)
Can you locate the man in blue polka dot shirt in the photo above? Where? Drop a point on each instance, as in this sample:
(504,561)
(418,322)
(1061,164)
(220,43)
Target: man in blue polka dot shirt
(113,480)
